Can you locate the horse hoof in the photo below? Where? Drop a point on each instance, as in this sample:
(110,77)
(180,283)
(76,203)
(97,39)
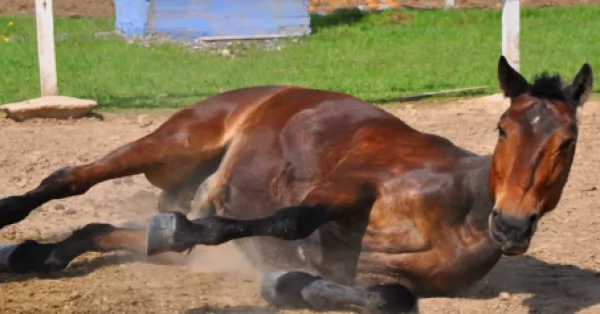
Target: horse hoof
(268,286)
(6,251)
(327,295)
(160,235)
(283,288)
(166,233)
(28,256)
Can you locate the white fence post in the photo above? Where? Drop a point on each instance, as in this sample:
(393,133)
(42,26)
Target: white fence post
(449,4)
(510,32)
(45,43)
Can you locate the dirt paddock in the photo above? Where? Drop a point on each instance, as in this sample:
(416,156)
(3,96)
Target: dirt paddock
(560,273)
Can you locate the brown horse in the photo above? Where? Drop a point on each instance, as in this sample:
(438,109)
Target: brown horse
(356,208)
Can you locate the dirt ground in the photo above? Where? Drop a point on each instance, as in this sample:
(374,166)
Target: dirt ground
(560,273)
(104,8)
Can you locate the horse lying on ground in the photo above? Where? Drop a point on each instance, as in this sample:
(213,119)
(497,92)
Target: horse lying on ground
(341,203)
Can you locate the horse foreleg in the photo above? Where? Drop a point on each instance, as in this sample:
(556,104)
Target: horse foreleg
(32,256)
(296,289)
(174,232)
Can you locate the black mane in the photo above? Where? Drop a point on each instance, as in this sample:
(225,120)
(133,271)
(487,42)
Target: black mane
(548,86)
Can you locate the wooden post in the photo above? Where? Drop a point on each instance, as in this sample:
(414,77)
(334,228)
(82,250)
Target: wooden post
(45,43)
(510,32)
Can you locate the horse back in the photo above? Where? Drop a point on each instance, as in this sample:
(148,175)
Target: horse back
(298,137)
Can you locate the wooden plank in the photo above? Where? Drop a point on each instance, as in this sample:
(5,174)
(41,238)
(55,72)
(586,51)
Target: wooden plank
(442,92)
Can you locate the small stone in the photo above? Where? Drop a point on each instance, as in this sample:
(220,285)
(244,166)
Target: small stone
(70,211)
(144,120)
(128,181)
(59,206)
(504,296)
(74,295)
(117,182)
(21,183)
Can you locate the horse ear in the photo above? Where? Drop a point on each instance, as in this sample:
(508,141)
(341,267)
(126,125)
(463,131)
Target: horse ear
(512,83)
(581,87)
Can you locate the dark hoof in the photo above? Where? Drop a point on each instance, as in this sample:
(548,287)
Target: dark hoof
(283,288)
(165,233)
(6,250)
(391,299)
(28,257)
(326,295)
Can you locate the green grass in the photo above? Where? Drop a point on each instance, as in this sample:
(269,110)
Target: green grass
(373,56)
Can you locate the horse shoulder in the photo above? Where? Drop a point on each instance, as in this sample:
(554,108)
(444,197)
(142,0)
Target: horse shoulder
(400,220)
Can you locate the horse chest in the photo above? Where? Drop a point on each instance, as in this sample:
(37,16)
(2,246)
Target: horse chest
(456,262)
(470,259)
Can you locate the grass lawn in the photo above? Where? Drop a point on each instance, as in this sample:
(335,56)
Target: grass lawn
(377,57)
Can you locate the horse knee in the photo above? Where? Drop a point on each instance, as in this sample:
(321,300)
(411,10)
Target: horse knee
(390,298)
(284,288)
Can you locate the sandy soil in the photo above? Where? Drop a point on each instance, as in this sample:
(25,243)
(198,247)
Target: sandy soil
(104,8)
(560,274)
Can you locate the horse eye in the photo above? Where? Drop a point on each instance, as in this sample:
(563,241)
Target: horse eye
(567,144)
(501,132)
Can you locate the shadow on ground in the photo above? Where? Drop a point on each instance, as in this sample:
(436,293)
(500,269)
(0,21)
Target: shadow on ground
(550,285)
(86,267)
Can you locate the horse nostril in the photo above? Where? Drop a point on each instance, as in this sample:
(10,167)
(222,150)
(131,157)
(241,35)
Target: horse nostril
(495,213)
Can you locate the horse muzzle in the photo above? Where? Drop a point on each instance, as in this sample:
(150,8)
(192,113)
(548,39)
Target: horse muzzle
(512,235)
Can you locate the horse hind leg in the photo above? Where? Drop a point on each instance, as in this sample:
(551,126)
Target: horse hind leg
(33,256)
(295,289)
(167,164)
